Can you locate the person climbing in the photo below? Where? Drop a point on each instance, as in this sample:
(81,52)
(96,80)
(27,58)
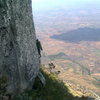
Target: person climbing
(39,47)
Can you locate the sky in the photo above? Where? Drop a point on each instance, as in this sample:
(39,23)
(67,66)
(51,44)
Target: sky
(47,4)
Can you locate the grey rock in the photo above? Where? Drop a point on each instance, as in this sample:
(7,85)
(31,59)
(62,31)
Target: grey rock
(42,79)
(19,59)
(4,98)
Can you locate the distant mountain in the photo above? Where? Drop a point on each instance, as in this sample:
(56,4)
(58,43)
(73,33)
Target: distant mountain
(81,34)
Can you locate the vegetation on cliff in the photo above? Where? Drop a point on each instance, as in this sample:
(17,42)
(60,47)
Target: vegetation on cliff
(53,90)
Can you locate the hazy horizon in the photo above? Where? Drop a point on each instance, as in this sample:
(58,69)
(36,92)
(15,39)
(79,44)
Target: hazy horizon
(42,5)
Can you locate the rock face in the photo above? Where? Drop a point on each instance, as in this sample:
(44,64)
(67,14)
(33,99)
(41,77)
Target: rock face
(19,59)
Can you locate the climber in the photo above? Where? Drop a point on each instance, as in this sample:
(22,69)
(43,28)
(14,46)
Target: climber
(39,47)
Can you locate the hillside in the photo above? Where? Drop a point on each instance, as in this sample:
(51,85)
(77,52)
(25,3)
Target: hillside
(54,89)
(76,46)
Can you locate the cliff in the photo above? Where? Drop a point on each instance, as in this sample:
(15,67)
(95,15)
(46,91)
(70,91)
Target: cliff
(19,59)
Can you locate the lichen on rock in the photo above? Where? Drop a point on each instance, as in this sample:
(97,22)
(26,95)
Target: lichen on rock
(19,58)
